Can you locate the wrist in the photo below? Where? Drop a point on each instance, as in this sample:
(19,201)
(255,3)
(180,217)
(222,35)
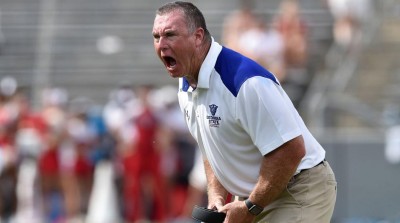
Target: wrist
(254,209)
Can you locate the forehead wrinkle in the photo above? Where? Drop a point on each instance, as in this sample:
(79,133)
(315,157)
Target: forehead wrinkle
(162,24)
(174,20)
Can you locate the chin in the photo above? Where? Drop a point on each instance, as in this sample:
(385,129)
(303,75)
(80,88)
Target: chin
(175,74)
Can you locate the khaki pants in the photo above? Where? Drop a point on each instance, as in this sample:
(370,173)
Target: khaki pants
(309,197)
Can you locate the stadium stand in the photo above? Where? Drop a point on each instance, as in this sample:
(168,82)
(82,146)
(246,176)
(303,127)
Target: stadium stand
(359,88)
(90,47)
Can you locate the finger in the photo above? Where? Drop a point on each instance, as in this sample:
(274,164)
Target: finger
(218,205)
(214,206)
(224,208)
(226,219)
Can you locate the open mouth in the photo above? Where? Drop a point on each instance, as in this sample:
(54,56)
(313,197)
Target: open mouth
(170,62)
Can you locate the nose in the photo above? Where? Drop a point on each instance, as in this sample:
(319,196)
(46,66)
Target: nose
(162,44)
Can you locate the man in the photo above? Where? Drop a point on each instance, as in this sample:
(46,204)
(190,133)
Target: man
(254,144)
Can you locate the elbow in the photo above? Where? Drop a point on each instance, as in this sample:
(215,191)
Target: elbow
(302,153)
(301,148)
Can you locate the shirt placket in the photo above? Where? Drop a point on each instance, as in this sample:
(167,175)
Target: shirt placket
(197,114)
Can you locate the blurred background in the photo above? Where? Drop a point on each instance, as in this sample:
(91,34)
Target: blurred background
(90,129)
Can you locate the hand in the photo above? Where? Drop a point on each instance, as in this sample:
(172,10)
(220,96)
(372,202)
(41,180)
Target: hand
(237,212)
(215,204)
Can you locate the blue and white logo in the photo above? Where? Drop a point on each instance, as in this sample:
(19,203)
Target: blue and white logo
(213,120)
(213,109)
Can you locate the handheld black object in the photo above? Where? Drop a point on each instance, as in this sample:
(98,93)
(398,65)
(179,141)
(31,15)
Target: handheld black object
(207,215)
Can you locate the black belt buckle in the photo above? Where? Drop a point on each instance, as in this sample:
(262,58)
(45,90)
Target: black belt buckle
(207,215)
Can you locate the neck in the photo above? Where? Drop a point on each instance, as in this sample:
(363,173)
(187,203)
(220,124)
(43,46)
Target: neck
(193,79)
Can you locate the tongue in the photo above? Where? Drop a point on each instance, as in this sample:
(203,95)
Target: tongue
(172,62)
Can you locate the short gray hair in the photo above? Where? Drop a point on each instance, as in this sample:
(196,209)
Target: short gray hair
(194,16)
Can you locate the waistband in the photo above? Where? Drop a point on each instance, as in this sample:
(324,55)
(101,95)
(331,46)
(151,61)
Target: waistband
(322,162)
(301,171)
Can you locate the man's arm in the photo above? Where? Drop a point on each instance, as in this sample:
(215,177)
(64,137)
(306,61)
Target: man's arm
(215,191)
(276,170)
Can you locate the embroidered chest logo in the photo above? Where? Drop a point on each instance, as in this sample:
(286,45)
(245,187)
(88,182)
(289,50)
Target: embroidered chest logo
(213,120)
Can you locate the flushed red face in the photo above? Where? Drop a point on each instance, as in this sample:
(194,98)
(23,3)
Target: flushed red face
(174,44)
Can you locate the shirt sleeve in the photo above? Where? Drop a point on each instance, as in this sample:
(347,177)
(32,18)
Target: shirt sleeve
(264,111)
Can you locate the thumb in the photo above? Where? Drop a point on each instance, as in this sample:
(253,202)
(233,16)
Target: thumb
(223,208)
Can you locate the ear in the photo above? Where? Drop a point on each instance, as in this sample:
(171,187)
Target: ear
(199,36)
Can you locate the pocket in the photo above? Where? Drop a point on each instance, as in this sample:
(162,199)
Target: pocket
(330,177)
(299,188)
(331,182)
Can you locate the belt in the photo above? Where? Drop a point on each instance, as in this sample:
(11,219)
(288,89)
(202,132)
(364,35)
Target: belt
(322,162)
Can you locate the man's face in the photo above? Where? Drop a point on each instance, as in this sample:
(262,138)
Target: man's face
(174,44)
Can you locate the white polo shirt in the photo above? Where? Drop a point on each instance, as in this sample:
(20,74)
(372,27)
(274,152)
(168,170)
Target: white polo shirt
(238,113)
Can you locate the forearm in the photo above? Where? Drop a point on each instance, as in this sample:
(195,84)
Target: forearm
(276,170)
(215,191)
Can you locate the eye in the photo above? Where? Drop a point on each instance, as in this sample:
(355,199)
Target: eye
(169,34)
(156,37)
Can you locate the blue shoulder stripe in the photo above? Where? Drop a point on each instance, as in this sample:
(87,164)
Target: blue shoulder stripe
(235,69)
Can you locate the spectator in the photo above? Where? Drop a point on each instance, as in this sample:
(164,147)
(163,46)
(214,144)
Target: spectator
(36,142)
(118,114)
(8,165)
(143,184)
(265,45)
(10,115)
(236,23)
(294,31)
(31,137)
(77,163)
(178,151)
(349,17)
(53,111)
